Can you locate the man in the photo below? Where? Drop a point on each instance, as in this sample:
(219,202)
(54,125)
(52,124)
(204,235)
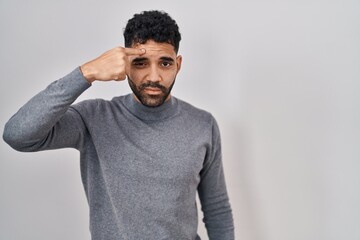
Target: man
(144,155)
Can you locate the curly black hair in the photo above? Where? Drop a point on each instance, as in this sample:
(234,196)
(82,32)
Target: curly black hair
(152,25)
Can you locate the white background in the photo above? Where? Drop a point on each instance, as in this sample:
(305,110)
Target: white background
(281,77)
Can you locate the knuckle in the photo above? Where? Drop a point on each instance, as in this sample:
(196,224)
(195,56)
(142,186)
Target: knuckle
(121,76)
(121,49)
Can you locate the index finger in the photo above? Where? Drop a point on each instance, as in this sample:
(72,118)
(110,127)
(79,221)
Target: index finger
(134,51)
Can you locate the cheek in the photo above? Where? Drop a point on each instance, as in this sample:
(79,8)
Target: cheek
(135,75)
(172,79)
(170,76)
(141,75)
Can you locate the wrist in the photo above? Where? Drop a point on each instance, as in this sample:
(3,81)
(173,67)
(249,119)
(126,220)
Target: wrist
(87,73)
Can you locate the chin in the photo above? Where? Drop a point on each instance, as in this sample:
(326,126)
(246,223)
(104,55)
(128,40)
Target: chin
(153,101)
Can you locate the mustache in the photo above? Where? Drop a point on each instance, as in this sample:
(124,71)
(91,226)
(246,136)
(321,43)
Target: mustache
(152,85)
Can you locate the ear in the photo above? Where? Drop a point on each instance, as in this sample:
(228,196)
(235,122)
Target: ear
(178,63)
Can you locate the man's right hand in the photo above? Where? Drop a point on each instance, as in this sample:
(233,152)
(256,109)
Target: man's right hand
(111,65)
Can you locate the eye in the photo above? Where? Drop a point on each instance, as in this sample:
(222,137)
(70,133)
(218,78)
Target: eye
(139,64)
(166,64)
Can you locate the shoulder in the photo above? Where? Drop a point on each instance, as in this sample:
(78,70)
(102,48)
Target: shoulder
(90,104)
(200,121)
(93,106)
(195,113)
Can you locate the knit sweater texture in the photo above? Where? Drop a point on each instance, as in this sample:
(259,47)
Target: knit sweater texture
(141,167)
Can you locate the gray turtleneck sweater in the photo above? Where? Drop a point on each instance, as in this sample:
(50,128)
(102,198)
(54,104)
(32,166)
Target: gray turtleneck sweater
(140,166)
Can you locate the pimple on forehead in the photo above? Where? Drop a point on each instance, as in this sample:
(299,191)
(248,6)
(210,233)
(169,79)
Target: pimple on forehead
(151,46)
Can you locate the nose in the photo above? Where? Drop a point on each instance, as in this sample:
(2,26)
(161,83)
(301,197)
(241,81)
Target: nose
(154,74)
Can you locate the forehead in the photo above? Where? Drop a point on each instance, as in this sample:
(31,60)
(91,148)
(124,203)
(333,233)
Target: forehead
(156,50)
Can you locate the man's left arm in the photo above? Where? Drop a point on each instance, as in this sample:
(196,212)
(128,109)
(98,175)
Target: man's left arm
(213,195)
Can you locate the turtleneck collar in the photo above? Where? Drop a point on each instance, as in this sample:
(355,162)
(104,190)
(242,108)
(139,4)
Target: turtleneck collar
(166,110)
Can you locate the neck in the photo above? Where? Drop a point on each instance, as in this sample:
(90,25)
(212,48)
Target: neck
(165,110)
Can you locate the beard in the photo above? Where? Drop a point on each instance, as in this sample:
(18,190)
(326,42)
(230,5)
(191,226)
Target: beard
(147,99)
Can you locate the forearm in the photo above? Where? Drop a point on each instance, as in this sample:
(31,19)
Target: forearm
(216,207)
(33,122)
(218,218)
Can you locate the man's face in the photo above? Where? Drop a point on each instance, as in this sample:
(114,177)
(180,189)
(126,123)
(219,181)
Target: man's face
(152,75)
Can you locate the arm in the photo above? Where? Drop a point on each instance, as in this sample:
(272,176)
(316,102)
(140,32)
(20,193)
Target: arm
(213,195)
(47,121)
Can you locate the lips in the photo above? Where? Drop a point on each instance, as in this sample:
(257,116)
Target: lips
(152,90)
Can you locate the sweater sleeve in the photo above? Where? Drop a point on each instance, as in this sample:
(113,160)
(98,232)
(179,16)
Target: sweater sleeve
(213,195)
(46,121)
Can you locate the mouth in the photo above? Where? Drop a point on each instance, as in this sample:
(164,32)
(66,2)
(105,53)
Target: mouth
(152,90)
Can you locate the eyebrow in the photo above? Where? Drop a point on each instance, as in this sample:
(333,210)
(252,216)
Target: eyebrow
(169,59)
(141,59)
